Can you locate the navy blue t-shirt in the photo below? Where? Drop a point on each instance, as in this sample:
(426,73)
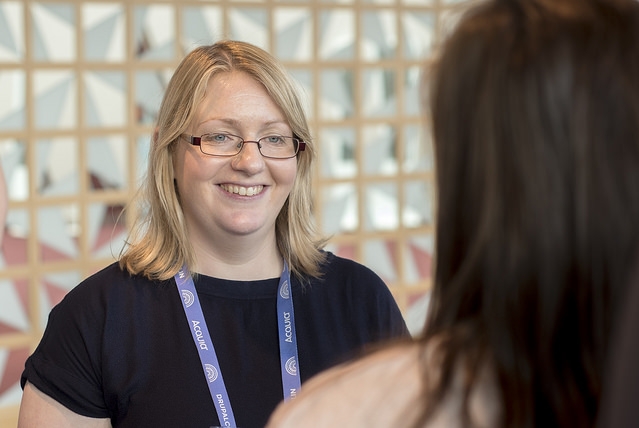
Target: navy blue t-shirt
(119,346)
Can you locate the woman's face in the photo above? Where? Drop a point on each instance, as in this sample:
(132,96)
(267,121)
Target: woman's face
(241,194)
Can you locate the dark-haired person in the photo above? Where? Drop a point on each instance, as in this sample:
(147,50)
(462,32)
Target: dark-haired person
(535,113)
(223,302)
(621,380)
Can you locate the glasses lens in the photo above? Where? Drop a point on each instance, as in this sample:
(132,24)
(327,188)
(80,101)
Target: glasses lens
(276,146)
(220,144)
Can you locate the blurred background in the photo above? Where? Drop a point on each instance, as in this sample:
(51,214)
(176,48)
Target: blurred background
(80,85)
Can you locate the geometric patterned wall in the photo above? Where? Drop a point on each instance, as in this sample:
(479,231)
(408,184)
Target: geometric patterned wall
(80,84)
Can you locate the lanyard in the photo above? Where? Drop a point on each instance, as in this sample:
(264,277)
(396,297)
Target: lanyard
(287,337)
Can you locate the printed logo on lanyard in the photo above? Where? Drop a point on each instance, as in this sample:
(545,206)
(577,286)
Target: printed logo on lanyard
(199,330)
(288,339)
(188,298)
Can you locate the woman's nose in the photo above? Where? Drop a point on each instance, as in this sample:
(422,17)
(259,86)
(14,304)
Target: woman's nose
(249,158)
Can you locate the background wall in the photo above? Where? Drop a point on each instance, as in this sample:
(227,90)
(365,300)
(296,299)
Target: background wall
(80,84)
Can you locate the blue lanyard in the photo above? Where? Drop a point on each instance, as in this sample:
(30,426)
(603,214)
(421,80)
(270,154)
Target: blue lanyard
(288,338)
(200,332)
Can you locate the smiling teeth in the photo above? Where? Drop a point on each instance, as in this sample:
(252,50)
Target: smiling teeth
(242,191)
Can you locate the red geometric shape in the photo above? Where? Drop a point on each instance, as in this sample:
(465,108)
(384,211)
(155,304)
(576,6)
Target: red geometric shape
(13,369)
(346,251)
(50,254)
(8,329)
(423,261)
(414,297)
(391,249)
(14,250)
(110,227)
(21,287)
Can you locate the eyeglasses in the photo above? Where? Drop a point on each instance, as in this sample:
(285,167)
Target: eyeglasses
(271,146)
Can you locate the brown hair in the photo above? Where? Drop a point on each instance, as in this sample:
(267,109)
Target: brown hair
(535,107)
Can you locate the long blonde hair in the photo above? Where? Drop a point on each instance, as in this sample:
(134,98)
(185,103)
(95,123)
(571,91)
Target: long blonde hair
(158,243)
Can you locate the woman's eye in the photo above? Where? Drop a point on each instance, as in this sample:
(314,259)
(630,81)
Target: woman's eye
(215,138)
(274,139)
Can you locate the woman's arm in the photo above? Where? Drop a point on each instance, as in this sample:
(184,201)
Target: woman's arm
(39,410)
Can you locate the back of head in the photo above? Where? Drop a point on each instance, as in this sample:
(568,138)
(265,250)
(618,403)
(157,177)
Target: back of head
(535,108)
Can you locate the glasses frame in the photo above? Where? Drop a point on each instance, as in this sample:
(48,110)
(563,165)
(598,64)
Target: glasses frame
(197,141)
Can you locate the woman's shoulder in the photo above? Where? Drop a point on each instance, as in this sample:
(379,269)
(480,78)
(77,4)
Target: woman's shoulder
(111,283)
(353,394)
(390,364)
(386,388)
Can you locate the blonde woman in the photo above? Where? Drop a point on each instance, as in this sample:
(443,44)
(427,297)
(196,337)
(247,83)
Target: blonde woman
(224,302)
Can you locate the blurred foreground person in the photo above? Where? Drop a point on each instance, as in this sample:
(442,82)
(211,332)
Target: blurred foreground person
(535,108)
(619,407)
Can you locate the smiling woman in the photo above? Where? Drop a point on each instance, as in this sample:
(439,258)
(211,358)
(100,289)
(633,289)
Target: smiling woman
(218,190)
(224,301)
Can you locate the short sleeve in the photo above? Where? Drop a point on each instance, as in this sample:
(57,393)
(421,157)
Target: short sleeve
(66,363)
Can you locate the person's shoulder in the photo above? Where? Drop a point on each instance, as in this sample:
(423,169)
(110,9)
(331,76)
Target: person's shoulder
(386,388)
(110,290)
(356,394)
(386,364)
(107,283)
(102,278)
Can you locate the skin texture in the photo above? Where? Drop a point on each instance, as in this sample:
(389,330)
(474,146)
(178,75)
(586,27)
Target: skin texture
(40,410)
(227,227)
(380,391)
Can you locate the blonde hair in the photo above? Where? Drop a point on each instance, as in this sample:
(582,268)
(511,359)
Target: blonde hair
(158,243)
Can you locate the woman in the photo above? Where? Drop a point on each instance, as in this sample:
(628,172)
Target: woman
(229,197)
(535,109)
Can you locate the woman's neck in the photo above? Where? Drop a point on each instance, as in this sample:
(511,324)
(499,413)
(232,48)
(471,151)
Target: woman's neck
(239,259)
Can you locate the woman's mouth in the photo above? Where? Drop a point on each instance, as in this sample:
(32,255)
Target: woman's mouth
(241,190)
